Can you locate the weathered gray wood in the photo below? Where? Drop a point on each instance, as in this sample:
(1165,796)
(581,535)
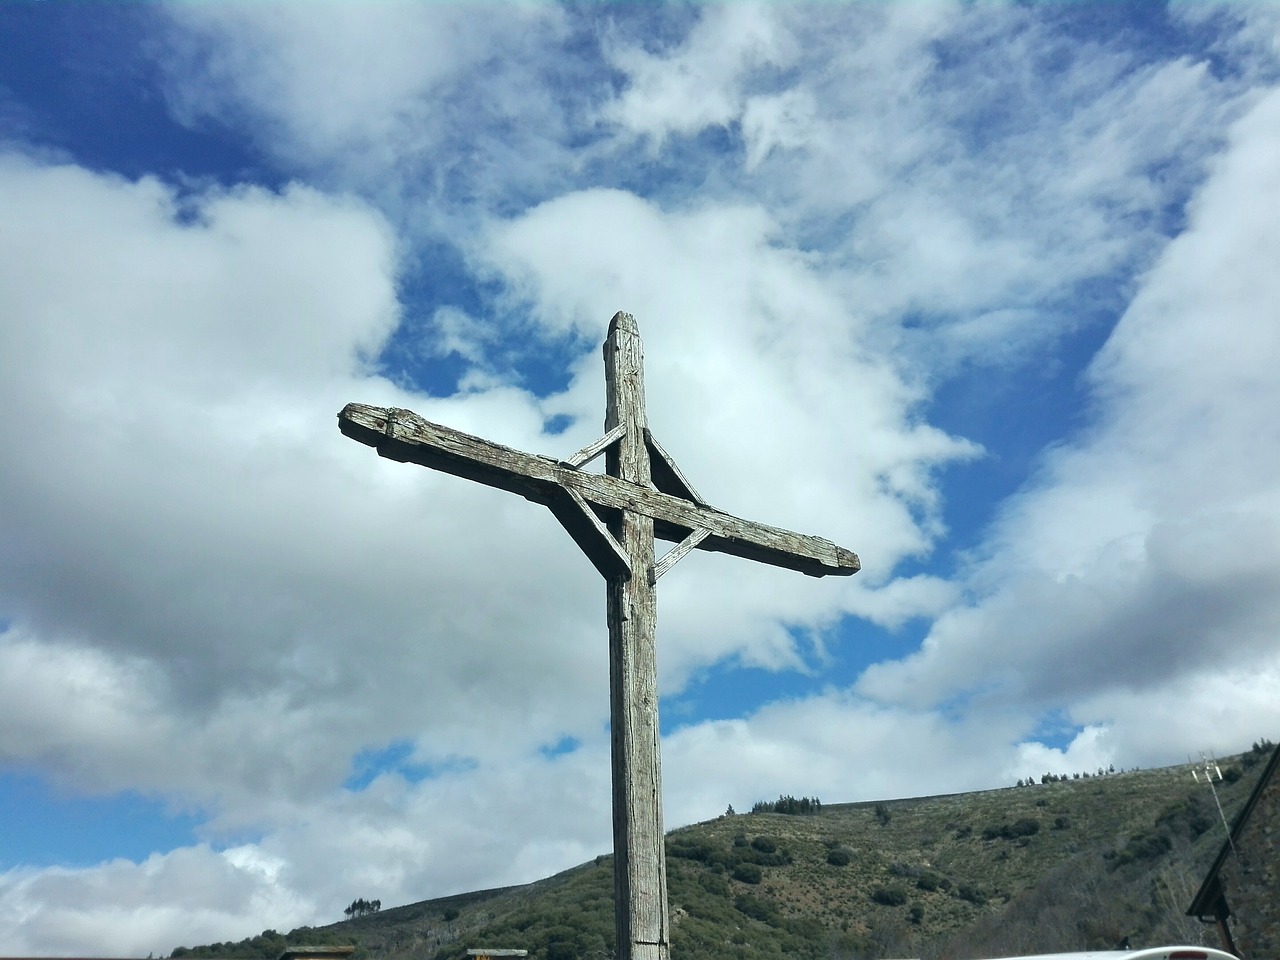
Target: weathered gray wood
(404,436)
(672,556)
(667,477)
(639,870)
(595,447)
(614,518)
(590,534)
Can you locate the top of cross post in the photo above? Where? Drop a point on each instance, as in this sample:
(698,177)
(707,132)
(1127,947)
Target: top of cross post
(623,323)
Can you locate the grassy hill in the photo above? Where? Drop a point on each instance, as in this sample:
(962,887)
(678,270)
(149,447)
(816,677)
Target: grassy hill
(1079,863)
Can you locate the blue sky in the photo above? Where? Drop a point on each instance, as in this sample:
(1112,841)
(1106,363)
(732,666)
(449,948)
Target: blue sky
(983,292)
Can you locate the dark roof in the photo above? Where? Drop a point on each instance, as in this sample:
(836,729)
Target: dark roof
(316,953)
(1210,891)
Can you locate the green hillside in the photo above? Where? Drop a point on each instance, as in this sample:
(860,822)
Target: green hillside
(1080,863)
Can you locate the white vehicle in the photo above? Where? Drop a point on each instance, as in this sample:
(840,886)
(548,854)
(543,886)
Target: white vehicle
(1150,953)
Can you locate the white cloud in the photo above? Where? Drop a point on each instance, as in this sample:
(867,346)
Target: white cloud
(189,528)
(1143,557)
(398,98)
(188,896)
(232,598)
(966,167)
(760,388)
(1089,751)
(702,82)
(217,578)
(886,197)
(831,746)
(1217,711)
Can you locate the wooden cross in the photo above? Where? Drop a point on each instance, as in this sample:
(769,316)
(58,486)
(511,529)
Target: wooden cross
(614,518)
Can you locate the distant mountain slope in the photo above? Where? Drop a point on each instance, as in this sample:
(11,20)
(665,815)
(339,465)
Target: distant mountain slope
(1080,863)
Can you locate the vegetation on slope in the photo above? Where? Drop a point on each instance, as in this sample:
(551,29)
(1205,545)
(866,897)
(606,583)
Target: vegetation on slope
(1066,864)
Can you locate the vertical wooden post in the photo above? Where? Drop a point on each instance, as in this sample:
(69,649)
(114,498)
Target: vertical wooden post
(624,554)
(639,869)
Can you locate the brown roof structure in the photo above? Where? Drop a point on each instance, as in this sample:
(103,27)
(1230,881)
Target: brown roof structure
(316,953)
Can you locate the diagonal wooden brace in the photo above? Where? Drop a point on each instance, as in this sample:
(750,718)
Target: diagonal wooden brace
(672,556)
(596,447)
(590,534)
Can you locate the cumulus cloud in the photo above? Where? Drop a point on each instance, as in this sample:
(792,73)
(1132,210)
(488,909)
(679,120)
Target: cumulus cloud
(132,908)
(1148,541)
(200,551)
(444,100)
(832,746)
(194,554)
(966,167)
(757,381)
(819,216)
(701,83)
(187,525)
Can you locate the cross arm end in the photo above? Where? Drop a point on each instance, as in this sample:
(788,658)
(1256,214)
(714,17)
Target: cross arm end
(847,563)
(365,423)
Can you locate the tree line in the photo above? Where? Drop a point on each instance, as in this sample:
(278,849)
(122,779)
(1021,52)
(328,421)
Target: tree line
(362,907)
(788,804)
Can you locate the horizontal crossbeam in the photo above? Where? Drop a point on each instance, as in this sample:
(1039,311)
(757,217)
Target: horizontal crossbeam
(404,436)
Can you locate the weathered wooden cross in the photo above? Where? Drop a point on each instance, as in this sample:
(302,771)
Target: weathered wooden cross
(614,518)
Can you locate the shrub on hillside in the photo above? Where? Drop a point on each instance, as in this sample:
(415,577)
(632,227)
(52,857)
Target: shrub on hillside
(776,859)
(1143,846)
(1190,817)
(1261,748)
(267,944)
(1025,827)
(757,909)
(889,896)
(700,849)
(569,942)
(929,882)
